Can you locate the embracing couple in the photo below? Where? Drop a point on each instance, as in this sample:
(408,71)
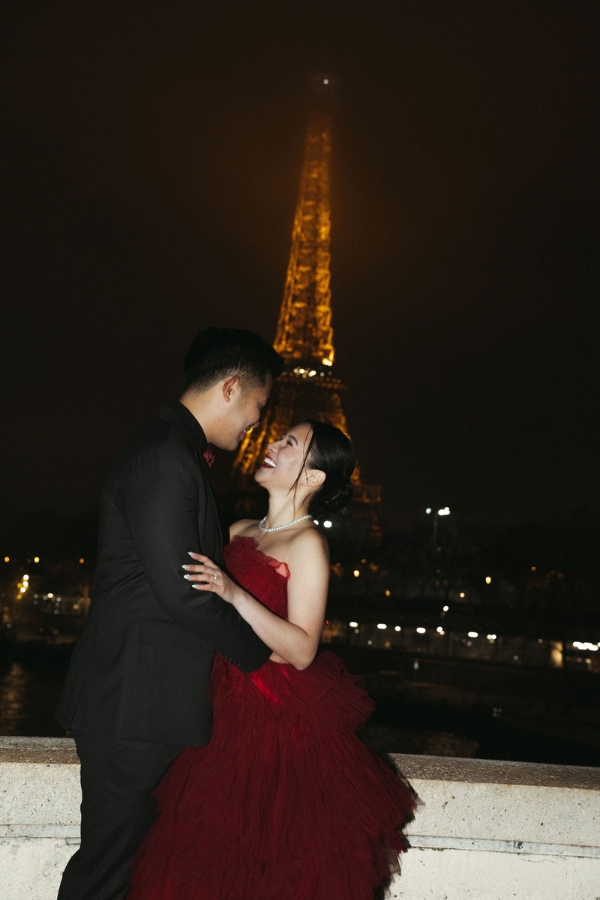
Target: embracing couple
(218,754)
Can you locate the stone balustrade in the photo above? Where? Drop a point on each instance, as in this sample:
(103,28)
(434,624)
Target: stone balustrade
(487,830)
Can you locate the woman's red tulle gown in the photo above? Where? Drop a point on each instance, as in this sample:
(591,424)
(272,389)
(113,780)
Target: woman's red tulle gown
(285,802)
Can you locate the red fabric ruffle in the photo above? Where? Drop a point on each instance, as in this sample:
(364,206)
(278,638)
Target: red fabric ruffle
(285,801)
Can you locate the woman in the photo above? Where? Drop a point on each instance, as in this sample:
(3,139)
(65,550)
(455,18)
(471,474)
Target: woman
(285,802)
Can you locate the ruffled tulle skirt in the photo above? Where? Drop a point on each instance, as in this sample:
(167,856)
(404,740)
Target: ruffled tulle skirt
(285,802)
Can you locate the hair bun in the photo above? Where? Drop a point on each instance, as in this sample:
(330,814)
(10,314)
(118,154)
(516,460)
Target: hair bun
(331,452)
(335,500)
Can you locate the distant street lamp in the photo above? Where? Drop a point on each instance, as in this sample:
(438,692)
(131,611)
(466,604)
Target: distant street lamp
(442,512)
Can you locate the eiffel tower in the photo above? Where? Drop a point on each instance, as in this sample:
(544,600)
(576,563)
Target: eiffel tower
(307,388)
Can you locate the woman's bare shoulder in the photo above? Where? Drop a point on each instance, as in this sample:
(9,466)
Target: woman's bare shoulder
(308,542)
(307,558)
(243,527)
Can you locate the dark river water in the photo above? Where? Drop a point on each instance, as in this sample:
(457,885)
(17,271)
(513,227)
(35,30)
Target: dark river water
(31,679)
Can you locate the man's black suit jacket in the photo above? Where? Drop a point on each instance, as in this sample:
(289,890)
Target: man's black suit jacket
(143,662)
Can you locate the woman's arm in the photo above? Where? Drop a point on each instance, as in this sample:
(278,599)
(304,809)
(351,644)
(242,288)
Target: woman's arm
(295,640)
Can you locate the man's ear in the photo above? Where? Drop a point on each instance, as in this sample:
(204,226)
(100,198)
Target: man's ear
(230,387)
(314,477)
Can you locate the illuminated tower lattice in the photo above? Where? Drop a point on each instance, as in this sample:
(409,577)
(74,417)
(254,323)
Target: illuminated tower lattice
(308,387)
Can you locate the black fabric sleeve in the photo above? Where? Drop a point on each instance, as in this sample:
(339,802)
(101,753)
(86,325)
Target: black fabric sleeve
(160,497)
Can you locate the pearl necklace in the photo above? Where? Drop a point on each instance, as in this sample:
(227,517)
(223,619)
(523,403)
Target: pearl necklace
(261,524)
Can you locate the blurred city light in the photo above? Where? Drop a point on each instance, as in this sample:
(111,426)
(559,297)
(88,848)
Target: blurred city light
(488,580)
(473,634)
(444,512)
(421,630)
(382,626)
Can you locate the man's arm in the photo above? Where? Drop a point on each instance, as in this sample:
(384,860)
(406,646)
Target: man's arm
(159,498)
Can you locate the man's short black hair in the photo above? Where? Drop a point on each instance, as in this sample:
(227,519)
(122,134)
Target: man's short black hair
(219,353)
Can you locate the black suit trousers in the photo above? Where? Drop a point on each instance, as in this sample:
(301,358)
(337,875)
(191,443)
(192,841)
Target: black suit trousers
(117,780)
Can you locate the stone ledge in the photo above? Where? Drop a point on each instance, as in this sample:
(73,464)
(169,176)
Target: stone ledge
(497,771)
(61,751)
(527,848)
(38,751)
(486,830)
(64,832)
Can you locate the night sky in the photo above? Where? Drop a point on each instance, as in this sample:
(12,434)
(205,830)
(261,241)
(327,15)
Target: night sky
(150,158)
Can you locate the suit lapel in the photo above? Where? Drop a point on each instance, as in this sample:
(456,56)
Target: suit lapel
(192,433)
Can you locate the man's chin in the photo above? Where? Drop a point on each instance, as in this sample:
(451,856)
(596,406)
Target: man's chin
(236,441)
(229,444)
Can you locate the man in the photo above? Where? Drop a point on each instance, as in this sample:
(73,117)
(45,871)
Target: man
(136,688)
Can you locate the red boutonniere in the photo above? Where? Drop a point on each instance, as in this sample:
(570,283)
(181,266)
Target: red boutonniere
(209,456)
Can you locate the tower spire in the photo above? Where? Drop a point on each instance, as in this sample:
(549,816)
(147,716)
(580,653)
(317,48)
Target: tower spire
(307,388)
(304,332)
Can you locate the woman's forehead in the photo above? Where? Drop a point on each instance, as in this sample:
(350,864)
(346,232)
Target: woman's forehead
(301,432)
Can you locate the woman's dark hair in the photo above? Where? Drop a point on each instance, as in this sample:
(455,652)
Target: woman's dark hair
(218,353)
(330,451)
